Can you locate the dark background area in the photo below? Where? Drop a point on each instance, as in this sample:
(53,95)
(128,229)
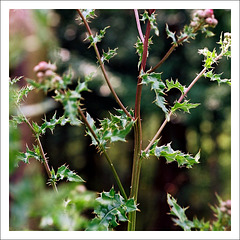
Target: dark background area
(60,40)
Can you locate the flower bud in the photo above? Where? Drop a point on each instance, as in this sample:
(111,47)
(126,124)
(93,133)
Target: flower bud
(229,212)
(208,13)
(40,74)
(200,13)
(43,66)
(228,203)
(52,67)
(193,24)
(49,73)
(36,68)
(209,21)
(215,22)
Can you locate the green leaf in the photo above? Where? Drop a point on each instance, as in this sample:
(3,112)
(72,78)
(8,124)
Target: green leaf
(65,172)
(171,84)
(108,55)
(171,35)
(139,49)
(53,122)
(152,20)
(30,154)
(87,14)
(14,80)
(185,106)
(170,155)
(98,37)
(216,77)
(179,212)
(154,79)
(111,209)
(17,120)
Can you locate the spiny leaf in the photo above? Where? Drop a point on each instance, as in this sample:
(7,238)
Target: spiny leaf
(171,35)
(17,120)
(152,20)
(139,49)
(108,55)
(65,172)
(179,212)
(53,122)
(185,106)
(30,154)
(171,84)
(98,37)
(170,155)
(87,14)
(14,80)
(111,209)
(154,79)
(216,77)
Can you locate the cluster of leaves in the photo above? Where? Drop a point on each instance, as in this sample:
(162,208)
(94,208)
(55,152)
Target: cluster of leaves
(152,20)
(171,155)
(64,172)
(114,129)
(222,222)
(112,208)
(160,89)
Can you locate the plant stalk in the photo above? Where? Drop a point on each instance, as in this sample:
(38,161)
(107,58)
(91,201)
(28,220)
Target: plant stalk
(105,154)
(138,134)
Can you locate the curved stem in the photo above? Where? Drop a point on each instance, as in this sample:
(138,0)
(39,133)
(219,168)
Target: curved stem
(105,154)
(103,68)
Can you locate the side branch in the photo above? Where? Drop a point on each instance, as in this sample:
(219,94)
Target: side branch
(103,68)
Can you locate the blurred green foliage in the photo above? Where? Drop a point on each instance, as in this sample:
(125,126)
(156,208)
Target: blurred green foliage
(206,128)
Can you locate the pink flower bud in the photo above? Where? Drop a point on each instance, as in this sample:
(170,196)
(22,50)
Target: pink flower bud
(43,66)
(229,212)
(52,67)
(40,74)
(49,73)
(215,22)
(209,21)
(193,24)
(223,209)
(208,12)
(228,203)
(36,68)
(200,13)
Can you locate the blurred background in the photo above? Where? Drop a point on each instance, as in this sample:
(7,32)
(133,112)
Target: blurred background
(56,36)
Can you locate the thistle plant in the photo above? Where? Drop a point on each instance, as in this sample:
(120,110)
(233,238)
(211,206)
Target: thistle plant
(113,206)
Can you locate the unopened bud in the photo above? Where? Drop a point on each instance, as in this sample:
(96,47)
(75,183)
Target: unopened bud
(200,14)
(208,13)
(43,66)
(36,68)
(49,73)
(209,21)
(215,22)
(52,67)
(193,24)
(228,203)
(40,74)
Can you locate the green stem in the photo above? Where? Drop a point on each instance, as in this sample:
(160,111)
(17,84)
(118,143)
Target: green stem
(105,154)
